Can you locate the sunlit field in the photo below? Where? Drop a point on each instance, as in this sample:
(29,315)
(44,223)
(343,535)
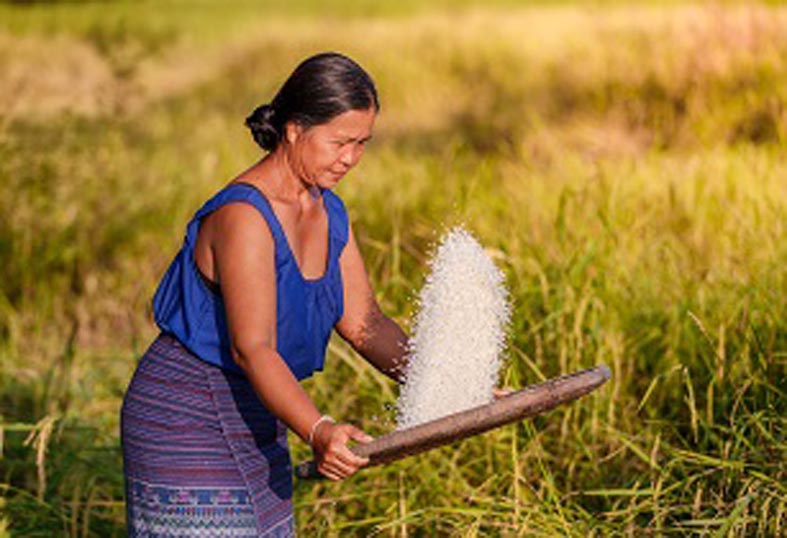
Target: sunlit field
(625,166)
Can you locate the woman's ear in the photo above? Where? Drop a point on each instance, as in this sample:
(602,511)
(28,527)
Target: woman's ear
(292,131)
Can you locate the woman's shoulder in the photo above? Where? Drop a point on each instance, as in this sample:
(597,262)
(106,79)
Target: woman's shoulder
(230,194)
(237,211)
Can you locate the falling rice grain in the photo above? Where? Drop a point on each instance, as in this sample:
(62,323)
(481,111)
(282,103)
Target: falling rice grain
(459,333)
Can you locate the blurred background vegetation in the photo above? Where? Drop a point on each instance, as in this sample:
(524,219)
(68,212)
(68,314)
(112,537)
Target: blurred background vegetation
(624,164)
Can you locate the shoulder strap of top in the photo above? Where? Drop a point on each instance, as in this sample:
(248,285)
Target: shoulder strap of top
(340,222)
(238,192)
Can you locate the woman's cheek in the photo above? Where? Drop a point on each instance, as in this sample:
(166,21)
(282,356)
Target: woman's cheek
(323,152)
(317,157)
(332,157)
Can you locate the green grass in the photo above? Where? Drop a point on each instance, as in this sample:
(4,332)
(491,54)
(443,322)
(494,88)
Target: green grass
(624,165)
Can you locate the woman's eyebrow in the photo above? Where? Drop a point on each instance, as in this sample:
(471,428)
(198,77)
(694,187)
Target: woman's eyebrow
(353,138)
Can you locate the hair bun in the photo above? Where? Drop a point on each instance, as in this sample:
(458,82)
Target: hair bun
(262,124)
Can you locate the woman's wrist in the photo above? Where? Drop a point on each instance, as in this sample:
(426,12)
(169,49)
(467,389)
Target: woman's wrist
(315,426)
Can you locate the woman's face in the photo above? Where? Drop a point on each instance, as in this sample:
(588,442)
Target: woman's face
(321,155)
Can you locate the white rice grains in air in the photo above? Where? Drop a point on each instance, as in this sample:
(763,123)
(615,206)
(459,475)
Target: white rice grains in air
(458,334)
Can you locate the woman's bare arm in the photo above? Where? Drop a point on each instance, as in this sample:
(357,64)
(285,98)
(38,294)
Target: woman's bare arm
(243,253)
(371,333)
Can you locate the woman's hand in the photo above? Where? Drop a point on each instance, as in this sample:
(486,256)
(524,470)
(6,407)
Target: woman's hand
(334,458)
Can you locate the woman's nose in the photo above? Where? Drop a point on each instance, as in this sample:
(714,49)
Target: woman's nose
(351,155)
(346,158)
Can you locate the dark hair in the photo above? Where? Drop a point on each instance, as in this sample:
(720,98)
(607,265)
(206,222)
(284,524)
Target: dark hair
(321,87)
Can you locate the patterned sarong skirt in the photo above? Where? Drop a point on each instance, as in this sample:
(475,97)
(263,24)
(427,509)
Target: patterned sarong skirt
(201,455)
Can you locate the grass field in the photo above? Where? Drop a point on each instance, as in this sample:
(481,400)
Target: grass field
(625,166)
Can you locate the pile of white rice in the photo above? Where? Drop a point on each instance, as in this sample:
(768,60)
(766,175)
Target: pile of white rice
(458,333)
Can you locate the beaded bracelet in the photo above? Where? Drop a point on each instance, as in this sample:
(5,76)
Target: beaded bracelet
(313,429)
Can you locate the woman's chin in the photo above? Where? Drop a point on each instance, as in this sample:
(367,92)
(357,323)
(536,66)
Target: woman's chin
(330,180)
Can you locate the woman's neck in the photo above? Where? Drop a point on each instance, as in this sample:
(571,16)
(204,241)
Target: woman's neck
(276,176)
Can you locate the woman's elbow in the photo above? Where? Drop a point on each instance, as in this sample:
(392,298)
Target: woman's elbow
(248,352)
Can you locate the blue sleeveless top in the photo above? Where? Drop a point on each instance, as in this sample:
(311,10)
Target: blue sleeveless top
(306,310)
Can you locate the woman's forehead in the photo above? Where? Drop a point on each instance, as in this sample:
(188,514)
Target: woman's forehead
(352,123)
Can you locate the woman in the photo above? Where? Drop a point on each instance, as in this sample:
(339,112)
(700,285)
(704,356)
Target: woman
(268,268)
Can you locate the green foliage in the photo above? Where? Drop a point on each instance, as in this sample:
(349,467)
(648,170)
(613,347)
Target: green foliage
(624,165)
